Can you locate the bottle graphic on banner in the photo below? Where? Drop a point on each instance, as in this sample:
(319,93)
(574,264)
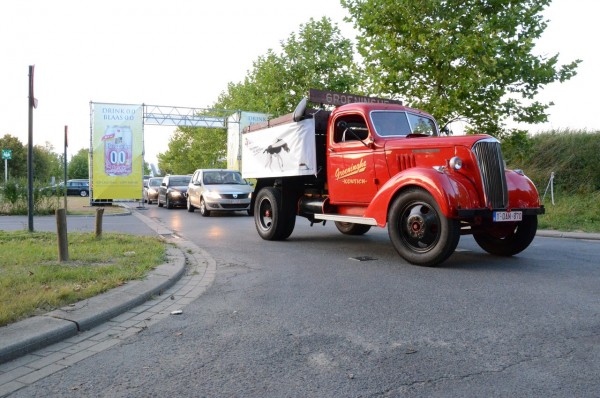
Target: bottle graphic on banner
(117,150)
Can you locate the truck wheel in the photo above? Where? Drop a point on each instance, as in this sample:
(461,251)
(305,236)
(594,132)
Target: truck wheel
(509,244)
(203,211)
(190,207)
(348,228)
(419,231)
(274,218)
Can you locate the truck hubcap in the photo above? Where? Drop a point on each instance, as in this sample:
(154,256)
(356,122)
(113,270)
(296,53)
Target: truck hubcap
(421,226)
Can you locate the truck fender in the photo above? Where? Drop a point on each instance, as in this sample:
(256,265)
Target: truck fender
(450,191)
(522,193)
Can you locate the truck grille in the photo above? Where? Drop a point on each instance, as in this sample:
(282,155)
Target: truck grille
(491,167)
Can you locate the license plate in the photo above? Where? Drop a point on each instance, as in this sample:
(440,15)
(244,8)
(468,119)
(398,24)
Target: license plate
(235,201)
(500,216)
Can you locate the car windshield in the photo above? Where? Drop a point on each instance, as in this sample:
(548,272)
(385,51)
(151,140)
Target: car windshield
(155,182)
(395,123)
(179,181)
(222,177)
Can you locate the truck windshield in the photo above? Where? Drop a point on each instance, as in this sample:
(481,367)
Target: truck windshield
(396,123)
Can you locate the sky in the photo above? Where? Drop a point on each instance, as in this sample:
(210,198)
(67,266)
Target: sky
(184,53)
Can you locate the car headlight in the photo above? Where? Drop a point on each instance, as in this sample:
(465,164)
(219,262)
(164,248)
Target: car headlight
(456,163)
(212,195)
(175,194)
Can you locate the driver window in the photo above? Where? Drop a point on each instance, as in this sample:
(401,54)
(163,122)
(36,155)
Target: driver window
(350,128)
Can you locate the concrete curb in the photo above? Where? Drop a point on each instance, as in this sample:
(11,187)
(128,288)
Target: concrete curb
(569,235)
(37,332)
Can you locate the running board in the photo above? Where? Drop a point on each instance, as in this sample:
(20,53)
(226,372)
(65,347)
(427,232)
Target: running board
(350,219)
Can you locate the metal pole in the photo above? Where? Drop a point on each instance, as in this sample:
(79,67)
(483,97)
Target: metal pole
(5,171)
(65,167)
(30,153)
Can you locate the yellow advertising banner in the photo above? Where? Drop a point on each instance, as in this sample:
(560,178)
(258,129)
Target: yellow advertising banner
(117,151)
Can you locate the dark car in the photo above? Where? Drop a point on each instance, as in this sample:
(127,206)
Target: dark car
(173,191)
(150,192)
(80,187)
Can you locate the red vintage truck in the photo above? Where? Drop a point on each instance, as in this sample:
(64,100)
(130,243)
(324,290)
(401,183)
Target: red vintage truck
(374,162)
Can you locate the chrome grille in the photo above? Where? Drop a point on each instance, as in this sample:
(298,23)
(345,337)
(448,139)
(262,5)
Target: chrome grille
(491,167)
(234,196)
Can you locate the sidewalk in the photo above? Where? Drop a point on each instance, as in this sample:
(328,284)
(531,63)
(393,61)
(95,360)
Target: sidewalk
(38,332)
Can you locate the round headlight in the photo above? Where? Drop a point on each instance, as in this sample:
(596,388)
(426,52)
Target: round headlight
(456,163)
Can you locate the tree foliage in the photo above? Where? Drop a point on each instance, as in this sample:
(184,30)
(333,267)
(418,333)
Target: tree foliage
(46,163)
(318,56)
(193,148)
(17,165)
(78,167)
(469,59)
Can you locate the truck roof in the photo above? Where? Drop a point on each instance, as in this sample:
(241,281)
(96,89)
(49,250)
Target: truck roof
(368,107)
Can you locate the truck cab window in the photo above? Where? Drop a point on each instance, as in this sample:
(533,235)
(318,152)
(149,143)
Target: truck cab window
(352,128)
(422,125)
(390,123)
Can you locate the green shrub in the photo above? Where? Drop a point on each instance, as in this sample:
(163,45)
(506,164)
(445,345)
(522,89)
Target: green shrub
(13,198)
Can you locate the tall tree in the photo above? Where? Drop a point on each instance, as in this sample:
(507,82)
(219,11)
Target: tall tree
(318,56)
(469,59)
(315,57)
(46,163)
(17,165)
(78,167)
(192,148)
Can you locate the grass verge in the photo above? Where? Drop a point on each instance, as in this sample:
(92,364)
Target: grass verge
(573,212)
(33,281)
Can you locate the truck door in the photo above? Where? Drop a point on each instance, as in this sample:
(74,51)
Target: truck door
(350,161)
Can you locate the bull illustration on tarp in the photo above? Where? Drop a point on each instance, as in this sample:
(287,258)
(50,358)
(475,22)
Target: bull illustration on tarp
(274,151)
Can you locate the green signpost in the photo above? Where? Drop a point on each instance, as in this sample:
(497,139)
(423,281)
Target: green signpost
(6,156)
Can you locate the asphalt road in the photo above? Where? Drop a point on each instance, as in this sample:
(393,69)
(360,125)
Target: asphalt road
(307,318)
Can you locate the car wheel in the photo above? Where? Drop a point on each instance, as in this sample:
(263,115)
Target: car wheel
(83,193)
(190,207)
(169,204)
(159,202)
(203,210)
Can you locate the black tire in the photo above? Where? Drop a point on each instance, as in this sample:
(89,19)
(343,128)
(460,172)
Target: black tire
(159,202)
(348,228)
(168,202)
(203,210)
(274,217)
(419,231)
(190,207)
(519,238)
(83,193)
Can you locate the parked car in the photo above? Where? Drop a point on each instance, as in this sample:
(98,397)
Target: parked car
(218,190)
(80,187)
(150,190)
(173,191)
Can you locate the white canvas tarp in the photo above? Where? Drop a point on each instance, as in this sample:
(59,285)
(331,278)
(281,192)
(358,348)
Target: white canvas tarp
(284,150)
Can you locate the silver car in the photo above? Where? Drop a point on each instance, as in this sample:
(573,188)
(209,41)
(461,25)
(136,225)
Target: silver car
(218,190)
